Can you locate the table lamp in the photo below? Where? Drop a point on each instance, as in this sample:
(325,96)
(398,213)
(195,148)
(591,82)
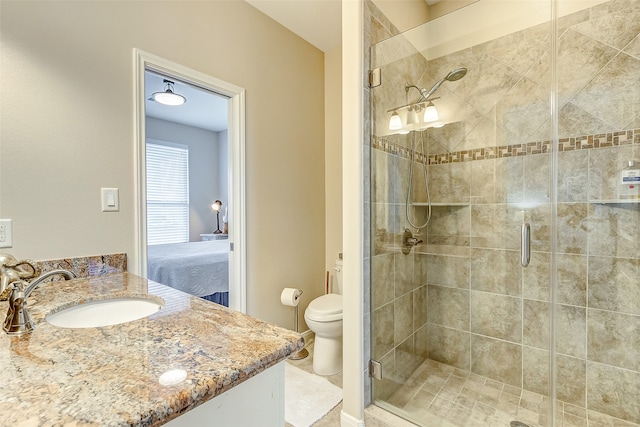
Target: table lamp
(216,206)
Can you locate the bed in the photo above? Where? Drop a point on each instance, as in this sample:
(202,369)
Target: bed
(198,268)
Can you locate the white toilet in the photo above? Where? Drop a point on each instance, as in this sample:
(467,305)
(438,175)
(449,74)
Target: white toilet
(324,318)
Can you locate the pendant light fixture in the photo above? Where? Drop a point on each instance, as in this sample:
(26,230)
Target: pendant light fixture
(168,97)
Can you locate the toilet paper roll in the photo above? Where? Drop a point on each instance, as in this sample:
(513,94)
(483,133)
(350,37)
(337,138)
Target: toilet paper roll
(290,296)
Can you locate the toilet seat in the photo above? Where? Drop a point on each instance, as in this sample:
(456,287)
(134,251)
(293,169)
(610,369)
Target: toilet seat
(327,308)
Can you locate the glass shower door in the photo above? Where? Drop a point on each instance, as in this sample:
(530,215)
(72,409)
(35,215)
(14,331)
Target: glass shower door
(518,301)
(459,324)
(597,292)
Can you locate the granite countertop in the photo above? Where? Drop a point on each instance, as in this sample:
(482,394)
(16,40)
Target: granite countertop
(109,376)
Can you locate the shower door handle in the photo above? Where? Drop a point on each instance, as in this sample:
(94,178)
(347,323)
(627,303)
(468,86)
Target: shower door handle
(525,244)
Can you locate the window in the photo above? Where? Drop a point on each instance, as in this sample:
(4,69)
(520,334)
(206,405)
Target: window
(167,193)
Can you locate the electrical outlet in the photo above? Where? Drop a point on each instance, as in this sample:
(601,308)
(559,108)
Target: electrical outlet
(6,233)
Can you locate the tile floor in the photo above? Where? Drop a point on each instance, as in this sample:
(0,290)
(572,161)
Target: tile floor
(438,395)
(441,395)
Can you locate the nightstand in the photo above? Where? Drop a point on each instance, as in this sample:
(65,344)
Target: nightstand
(211,236)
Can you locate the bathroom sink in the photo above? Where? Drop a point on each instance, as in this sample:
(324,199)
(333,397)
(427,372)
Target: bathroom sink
(105,312)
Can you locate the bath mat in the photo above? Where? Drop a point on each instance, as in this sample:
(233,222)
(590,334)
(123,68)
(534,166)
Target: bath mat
(307,397)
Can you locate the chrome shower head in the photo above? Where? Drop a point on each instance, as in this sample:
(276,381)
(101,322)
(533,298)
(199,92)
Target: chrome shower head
(454,75)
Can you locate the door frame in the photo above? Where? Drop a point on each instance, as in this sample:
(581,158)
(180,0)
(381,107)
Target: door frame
(236,131)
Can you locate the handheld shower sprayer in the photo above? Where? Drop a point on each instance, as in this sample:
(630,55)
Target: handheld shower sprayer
(431,115)
(454,75)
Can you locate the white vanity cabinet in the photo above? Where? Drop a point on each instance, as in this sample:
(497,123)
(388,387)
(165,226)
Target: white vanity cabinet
(257,402)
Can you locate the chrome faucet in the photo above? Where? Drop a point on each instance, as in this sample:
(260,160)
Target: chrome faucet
(18,320)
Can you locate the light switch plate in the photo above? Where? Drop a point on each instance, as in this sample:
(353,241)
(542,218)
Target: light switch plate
(110,200)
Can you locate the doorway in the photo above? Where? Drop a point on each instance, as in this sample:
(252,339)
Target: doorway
(227,188)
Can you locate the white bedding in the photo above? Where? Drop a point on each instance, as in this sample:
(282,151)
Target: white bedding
(198,268)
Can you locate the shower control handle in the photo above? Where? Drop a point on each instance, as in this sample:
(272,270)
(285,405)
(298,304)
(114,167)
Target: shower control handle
(412,241)
(409,241)
(525,244)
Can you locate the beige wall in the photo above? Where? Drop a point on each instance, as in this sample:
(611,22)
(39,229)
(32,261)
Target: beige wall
(404,14)
(407,14)
(439,9)
(67,129)
(333,157)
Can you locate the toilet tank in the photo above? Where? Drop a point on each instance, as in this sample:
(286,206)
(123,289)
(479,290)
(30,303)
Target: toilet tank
(337,286)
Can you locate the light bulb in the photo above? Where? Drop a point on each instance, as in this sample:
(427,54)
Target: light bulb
(395,123)
(412,117)
(169,98)
(430,113)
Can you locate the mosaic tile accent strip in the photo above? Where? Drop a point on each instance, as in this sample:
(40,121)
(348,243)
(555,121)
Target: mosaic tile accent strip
(87,266)
(600,140)
(586,142)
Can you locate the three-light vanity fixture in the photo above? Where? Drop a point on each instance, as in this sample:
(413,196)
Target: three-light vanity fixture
(424,105)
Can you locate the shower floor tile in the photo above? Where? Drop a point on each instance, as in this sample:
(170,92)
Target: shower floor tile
(440,395)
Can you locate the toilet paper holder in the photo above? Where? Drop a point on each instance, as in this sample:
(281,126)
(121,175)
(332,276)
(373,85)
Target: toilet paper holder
(302,353)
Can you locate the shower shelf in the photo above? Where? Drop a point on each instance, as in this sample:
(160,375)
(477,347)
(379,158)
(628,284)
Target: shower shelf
(595,201)
(439,204)
(615,201)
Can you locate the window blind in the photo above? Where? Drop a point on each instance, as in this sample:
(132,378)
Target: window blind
(167,193)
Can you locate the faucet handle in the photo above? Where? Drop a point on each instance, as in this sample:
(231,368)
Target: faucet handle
(18,320)
(11,292)
(16,291)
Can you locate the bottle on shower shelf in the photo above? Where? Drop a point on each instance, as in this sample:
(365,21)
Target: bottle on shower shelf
(630,181)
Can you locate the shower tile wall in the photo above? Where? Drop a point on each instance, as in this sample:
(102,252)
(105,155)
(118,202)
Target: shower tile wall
(462,298)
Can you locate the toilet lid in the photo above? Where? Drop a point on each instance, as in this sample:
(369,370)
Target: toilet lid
(326,308)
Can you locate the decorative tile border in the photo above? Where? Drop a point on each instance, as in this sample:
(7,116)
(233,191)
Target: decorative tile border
(585,142)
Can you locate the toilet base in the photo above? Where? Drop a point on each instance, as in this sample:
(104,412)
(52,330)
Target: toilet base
(327,355)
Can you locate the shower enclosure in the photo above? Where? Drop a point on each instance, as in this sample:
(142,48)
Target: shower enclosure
(519,299)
